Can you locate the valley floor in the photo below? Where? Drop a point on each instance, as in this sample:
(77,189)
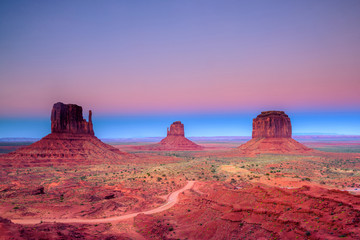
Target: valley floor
(268,196)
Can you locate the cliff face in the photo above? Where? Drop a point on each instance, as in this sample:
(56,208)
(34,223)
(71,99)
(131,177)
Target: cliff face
(68,118)
(272,124)
(176,129)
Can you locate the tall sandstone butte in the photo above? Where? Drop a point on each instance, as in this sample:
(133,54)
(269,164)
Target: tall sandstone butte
(176,129)
(272,124)
(68,118)
(174,141)
(272,134)
(71,141)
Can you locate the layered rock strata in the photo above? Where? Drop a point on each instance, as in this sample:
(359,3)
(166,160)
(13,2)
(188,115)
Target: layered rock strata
(272,124)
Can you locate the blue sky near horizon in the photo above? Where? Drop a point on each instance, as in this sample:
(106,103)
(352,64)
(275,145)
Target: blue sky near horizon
(201,125)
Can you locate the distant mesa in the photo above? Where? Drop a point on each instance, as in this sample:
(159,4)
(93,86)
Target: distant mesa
(272,133)
(272,124)
(174,141)
(71,141)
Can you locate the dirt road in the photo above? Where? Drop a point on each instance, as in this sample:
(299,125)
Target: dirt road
(171,201)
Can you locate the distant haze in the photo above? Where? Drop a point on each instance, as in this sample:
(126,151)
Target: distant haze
(140,65)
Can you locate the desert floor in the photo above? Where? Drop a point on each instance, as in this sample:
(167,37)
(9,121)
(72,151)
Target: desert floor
(215,193)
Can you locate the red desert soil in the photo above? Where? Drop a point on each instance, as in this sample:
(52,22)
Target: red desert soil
(253,206)
(61,229)
(171,201)
(223,211)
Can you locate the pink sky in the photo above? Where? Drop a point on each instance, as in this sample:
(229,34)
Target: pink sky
(170,57)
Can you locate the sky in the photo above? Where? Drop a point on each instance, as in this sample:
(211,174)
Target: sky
(214,65)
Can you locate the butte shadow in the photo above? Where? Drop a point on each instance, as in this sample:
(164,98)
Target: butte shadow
(272,133)
(71,141)
(174,141)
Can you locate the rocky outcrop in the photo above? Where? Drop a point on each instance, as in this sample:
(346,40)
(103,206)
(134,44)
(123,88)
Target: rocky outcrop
(10,230)
(71,141)
(174,141)
(39,190)
(272,124)
(176,129)
(272,134)
(215,210)
(68,118)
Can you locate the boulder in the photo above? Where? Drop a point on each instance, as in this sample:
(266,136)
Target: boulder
(38,191)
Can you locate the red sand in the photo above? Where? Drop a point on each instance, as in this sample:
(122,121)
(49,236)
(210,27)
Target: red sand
(218,211)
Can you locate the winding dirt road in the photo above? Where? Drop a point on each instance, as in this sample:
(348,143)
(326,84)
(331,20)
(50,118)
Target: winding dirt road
(171,201)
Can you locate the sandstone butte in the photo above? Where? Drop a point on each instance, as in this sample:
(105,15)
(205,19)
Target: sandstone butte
(272,133)
(174,141)
(71,141)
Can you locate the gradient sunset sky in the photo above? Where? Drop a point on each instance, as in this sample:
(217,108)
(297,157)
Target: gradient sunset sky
(214,65)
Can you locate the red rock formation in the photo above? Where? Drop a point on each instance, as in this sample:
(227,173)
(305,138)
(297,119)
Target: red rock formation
(71,141)
(272,134)
(221,211)
(272,124)
(68,118)
(175,140)
(176,129)
(54,231)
